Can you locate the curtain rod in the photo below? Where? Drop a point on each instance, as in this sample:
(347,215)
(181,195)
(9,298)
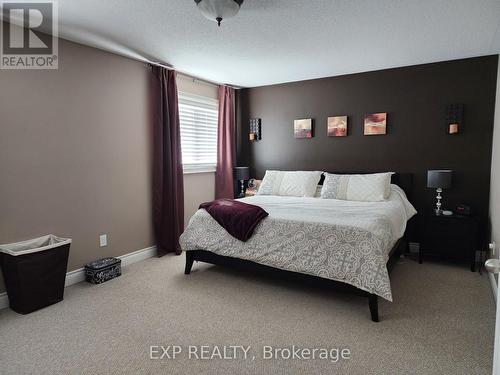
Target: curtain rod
(170,67)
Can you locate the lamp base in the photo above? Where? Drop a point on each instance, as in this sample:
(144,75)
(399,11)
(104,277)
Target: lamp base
(438,211)
(241,193)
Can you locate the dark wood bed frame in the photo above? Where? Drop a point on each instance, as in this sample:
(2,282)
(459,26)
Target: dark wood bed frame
(403,180)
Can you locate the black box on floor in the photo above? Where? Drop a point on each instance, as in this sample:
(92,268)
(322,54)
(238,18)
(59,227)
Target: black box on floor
(102,270)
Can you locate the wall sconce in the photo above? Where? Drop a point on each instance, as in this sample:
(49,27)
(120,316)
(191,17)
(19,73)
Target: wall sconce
(255,129)
(454,118)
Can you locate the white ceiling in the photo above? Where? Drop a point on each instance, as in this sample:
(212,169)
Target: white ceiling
(274,41)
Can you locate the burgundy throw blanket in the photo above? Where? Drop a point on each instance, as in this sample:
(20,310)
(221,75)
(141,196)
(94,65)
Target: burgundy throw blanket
(238,218)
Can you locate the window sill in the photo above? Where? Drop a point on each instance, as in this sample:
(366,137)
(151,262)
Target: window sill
(190,169)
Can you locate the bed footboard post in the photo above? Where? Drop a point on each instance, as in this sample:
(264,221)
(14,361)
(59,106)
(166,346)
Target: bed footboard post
(373,304)
(189,262)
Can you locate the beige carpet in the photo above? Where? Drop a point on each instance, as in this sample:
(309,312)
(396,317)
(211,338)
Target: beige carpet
(441,322)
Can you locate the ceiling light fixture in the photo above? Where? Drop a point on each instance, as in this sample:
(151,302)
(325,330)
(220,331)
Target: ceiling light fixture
(218,10)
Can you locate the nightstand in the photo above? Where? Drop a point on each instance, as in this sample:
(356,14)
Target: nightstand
(453,237)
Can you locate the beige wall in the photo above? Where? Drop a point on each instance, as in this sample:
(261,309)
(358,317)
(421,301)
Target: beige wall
(75,153)
(495,173)
(198,187)
(197,87)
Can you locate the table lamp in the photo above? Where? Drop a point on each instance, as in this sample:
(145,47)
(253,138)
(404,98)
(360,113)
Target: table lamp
(439,180)
(241,174)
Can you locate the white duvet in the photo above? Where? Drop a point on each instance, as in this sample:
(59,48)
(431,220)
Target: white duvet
(335,239)
(397,210)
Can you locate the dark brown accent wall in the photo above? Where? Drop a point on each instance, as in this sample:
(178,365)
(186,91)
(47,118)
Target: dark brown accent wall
(415,99)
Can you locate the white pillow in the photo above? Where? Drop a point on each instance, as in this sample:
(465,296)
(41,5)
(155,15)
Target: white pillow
(294,184)
(299,184)
(271,182)
(372,187)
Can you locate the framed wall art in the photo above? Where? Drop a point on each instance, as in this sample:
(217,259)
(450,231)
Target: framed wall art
(302,128)
(337,126)
(376,124)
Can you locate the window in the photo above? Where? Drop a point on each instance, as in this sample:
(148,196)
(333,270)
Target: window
(198,120)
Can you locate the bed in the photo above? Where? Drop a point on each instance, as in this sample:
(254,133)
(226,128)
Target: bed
(328,240)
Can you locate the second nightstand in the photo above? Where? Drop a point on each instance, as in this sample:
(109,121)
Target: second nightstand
(454,236)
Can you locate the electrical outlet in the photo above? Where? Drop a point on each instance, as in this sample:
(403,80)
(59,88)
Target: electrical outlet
(493,248)
(103,240)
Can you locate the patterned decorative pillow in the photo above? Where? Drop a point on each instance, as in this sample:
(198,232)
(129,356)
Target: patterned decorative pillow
(373,187)
(335,186)
(294,184)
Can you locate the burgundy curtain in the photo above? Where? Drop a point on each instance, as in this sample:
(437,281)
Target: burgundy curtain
(168,187)
(224,182)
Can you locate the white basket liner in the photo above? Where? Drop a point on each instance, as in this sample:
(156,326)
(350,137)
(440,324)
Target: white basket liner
(34,245)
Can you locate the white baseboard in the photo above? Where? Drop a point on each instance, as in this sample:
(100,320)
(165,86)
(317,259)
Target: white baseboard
(494,286)
(138,255)
(78,275)
(73,277)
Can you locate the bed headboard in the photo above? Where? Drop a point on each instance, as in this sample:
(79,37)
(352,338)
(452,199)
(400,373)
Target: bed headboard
(403,180)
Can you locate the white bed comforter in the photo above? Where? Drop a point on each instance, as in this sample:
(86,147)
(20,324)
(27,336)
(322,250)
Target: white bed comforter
(335,239)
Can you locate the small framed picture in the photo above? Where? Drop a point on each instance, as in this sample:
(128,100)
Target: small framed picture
(376,124)
(302,128)
(337,126)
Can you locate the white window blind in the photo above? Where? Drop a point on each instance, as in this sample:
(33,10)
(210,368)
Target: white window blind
(198,120)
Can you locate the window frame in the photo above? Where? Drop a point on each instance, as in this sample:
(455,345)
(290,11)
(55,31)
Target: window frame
(203,100)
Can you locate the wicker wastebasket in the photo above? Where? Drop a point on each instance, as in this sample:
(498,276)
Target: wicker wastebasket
(34,272)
